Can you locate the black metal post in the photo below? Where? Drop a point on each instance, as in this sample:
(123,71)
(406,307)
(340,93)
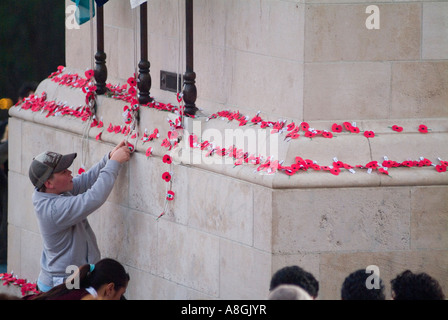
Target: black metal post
(144,78)
(189,88)
(100,70)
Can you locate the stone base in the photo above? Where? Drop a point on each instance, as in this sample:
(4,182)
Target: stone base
(230,228)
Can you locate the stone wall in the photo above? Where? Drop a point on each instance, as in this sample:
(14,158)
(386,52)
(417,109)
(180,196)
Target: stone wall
(229,228)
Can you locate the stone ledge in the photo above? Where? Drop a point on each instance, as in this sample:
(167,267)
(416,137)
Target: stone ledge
(350,148)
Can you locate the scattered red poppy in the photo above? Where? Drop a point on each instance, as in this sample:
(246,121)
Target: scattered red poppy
(81,170)
(170,195)
(336,127)
(166,143)
(131,146)
(166,176)
(348,126)
(372,165)
(422,128)
(354,130)
(132,91)
(290,126)
(89,74)
(425,162)
(167,159)
(335,171)
(397,128)
(369,134)
(440,168)
(98,136)
(309,134)
(384,171)
(338,164)
(132,82)
(256,119)
(305,126)
(172,135)
(292,135)
(327,134)
(149,152)
(193,140)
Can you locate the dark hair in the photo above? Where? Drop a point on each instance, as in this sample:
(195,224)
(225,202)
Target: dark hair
(106,271)
(27,88)
(355,287)
(297,276)
(412,286)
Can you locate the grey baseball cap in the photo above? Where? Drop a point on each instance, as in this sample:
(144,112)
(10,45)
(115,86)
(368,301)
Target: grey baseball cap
(47,163)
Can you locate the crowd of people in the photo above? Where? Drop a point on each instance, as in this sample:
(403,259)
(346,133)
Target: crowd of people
(295,283)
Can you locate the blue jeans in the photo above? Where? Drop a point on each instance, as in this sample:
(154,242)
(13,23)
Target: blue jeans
(42,287)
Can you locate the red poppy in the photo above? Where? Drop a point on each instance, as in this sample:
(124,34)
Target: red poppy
(336,127)
(256,119)
(170,195)
(172,135)
(292,135)
(338,164)
(407,163)
(372,165)
(166,143)
(193,140)
(94,123)
(89,74)
(98,137)
(179,96)
(111,128)
(305,126)
(425,162)
(148,152)
(397,128)
(369,134)
(131,146)
(327,134)
(81,170)
(309,134)
(348,126)
(132,82)
(166,176)
(354,130)
(290,126)
(167,159)
(440,168)
(335,171)
(132,91)
(382,170)
(422,128)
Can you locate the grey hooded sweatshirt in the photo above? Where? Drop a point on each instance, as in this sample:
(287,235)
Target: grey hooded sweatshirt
(67,236)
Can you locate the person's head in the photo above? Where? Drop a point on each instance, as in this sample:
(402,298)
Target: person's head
(416,286)
(108,277)
(296,276)
(289,292)
(27,89)
(357,286)
(49,172)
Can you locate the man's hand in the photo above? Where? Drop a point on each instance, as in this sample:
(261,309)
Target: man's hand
(120,153)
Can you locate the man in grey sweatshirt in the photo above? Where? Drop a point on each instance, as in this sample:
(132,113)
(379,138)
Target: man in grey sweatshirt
(63,203)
